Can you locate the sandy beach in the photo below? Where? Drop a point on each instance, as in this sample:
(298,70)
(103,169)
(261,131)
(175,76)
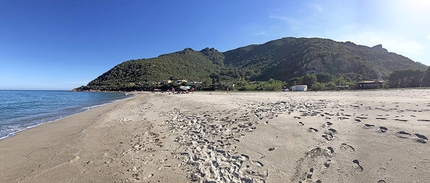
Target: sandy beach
(348,136)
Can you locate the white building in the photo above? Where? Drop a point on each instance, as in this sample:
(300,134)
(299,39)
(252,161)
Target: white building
(178,82)
(165,81)
(299,88)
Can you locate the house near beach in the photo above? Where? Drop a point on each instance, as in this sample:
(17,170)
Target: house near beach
(376,84)
(342,87)
(195,82)
(165,81)
(179,82)
(299,88)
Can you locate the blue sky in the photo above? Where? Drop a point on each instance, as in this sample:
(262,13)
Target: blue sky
(54,44)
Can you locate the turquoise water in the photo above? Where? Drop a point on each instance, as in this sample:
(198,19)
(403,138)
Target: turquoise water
(21,110)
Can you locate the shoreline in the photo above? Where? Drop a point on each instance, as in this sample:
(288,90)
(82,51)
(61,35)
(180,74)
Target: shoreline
(44,135)
(253,136)
(54,118)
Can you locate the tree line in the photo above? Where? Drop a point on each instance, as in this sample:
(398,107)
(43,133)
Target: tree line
(409,78)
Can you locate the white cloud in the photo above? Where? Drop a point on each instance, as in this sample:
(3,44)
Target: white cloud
(316,7)
(428,37)
(262,33)
(294,23)
(286,19)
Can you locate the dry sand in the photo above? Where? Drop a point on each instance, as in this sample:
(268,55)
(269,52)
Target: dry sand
(353,136)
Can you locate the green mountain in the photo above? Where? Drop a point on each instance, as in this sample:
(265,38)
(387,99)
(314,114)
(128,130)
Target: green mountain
(280,59)
(186,64)
(286,58)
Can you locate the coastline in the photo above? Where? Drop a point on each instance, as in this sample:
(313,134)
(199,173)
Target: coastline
(17,150)
(27,120)
(263,136)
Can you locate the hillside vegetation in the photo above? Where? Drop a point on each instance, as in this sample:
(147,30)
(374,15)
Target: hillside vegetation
(286,61)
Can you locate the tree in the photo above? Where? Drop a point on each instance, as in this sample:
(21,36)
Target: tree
(294,81)
(330,86)
(340,81)
(310,80)
(274,85)
(405,78)
(215,78)
(426,78)
(324,77)
(318,86)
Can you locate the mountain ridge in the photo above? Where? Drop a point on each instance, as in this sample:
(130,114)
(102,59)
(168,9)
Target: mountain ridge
(280,59)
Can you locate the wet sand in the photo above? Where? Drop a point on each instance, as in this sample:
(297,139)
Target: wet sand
(348,136)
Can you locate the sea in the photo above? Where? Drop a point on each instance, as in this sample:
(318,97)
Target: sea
(24,109)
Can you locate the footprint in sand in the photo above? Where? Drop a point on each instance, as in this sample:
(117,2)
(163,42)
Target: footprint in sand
(327,124)
(361,117)
(402,120)
(312,129)
(309,175)
(258,163)
(301,123)
(383,129)
(368,126)
(328,136)
(193,177)
(421,138)
(357,165)
(330,149)
(403,134)
(342,118)
(345,146)
(315,152)
(332,130)
(327,163)
(242,157)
